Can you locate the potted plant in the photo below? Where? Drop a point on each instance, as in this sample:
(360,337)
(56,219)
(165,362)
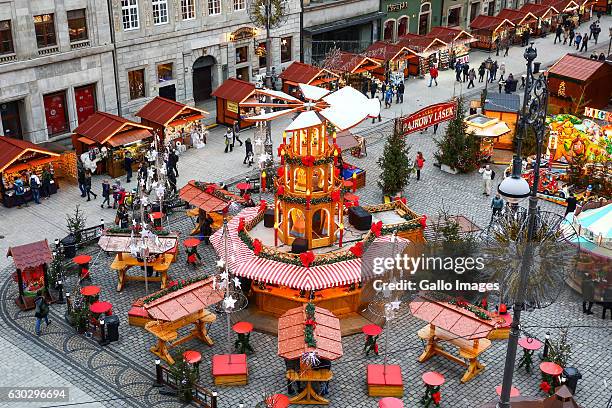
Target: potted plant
(79,316)
(76,224)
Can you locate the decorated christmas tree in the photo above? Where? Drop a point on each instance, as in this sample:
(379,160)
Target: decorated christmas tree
(458,149)
(395,162)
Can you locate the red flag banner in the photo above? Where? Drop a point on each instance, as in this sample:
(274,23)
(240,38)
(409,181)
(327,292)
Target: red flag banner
(429,116)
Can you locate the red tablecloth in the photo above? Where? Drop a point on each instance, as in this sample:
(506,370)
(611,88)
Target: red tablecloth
(156,215)
(550,368)
(390,402)
(191,242)
(529,343)
(81,259)
(101,307)
(243,327)
(371,330)
(90,290)
(433,378)
(192,356)
(513,391)
(244,186)
(277,401)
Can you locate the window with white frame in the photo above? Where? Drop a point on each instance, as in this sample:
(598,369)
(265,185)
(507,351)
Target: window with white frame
(214,7)
(239,5)
(188,9)
(160,11)
(129,14)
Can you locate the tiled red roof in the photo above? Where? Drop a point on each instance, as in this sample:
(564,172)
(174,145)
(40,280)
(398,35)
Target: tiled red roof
(30,255)
(561,5)
(516,16)
(12,149)
(101,126)
(163,111)
(300,73)
(484,22)
(421,43)
(449,34)
(382,50)
(234,90)
(538,10)
(352,63)
(578,68)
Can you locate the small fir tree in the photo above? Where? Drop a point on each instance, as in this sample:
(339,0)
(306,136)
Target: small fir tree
(76,223)
(395,162)
(56,268)
(459,149)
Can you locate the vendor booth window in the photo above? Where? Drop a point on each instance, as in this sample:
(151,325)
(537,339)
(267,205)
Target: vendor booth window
(286,49)
(137,83)
(239,5)
(44,26)
(55,113)
(164,72)
(77,25)
(129,14)
(6,38)
(188,9)
(454,16)
(160,11)
(261,52)
(214,7)
(242,54)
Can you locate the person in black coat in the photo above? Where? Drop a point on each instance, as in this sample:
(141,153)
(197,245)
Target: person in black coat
(400,92)
(172,181)
(127,165)
(465,68)
(206,228)
(248,147)
(373,88)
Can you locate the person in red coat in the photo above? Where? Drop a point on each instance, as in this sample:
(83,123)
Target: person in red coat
(433,73)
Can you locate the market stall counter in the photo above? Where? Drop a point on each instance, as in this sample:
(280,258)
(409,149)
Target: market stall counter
(458,41)
(487,29)
(353,68)
(300,73)
(107,139)
(394,60)
(19,161)
(174,120)
(229,96)
(430,50)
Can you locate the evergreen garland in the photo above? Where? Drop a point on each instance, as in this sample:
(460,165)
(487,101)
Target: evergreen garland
(297,161)
(179,285)
(302,201)
(309,325)
(117,230)
(471,308)
(458,149)
(395,163)
(310,310)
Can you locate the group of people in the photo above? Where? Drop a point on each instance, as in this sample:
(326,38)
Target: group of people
(232,135)
(388,90)
(40,186)
(568,30)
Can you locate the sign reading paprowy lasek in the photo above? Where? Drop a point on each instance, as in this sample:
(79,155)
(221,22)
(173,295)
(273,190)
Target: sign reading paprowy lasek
(429,116)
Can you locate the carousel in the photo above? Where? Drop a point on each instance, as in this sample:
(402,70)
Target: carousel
(307,245)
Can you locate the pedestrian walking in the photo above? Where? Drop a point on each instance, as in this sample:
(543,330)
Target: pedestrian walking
(81,177)
(466,70)
(364,87)
(106,193)
(389,97)
(419,162)
(596,32)
(116,188)
(493,73)
(481,72)
(47,177)
(507,47)
(248,147)
(558,33)
(501,84)
(497,204)
(578,40)
(236,131)
(571,36)
(127,165)
(588,294)
(471,77)
(172,182)
(585,42)
(35,187)
(487,177)
(502,70)
(383,89)
(571,202)
(433,75)
(173,159)
(373,88)
(458,70)
(400,91)
(497,42)
(436,128)
(41,311)
(229,137)
(88,186)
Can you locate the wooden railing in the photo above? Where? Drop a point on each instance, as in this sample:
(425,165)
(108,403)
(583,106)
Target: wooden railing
(202,397)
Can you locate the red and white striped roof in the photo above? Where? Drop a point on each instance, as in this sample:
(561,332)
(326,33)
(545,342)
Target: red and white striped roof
(243,262)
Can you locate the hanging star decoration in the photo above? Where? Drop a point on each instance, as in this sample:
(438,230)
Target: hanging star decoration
(224,276)
(229,303)
(220,263)
(395,305)
(237,283)
(214,282)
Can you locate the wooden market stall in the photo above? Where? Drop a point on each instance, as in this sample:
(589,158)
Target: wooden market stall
(31,265)
(394,60)
(566,9)
(575,81)
(546,15)
(487,29)
(174,309)
(110,138)
(17,157)
(458,40)
(504,107)
(430,51)
(300,73)
(353,68)
(585,10)
(489,130)
(295,350)
(229,95)
(522,21)
(170,119)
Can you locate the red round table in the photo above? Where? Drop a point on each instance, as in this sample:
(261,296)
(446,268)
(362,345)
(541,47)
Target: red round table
(90,290)
(101,307)
(242,327)
(530,344)
(277,401)
(390,402)
(192,356)
(191,242)
(83,262)
(551,368)
(244,186)
(371,330)
(156,217)
(433,379)
(514,392)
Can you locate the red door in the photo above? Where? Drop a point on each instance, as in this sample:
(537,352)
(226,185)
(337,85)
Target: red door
(85,100)
(55,113)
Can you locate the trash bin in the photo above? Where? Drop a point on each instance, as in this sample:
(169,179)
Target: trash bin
(536,67)
(69,245)
(571,375)
(112,327)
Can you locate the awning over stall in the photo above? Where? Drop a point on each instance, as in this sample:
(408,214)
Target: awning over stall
(167,112)
(17,155)
(104,128)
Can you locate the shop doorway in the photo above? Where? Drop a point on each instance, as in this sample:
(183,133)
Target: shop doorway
(168,92)
(424,18)
(11,119)
(202,78)
(474,7)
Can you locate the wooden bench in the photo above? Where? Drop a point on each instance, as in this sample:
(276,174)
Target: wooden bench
(123,262)
(308,395)
(468,349)
(230,369)
(385,381)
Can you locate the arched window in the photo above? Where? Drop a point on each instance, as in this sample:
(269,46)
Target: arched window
(320,223)
(402,26)
(297,223)
(389,30)
(425,7)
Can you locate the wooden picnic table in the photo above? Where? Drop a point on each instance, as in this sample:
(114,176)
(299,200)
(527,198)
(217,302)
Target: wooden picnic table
(308,395)
(468,349)
(124,261)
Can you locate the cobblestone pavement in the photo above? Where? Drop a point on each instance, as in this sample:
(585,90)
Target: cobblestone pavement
(122,373)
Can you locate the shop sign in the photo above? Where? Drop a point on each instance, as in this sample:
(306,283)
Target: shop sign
(397,6)
(232,107)
(243,33)
(598,114)
(429,116)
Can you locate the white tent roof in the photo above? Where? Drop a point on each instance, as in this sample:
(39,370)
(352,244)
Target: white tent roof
(304,120)
(313,93)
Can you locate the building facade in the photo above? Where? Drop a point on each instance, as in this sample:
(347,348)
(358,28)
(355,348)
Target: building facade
(349,25)
(184,49)
(404,17)
(462,12)
(56,66)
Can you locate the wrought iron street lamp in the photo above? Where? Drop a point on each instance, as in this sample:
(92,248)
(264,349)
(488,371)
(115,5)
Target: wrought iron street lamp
(533,115)
(488,65)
